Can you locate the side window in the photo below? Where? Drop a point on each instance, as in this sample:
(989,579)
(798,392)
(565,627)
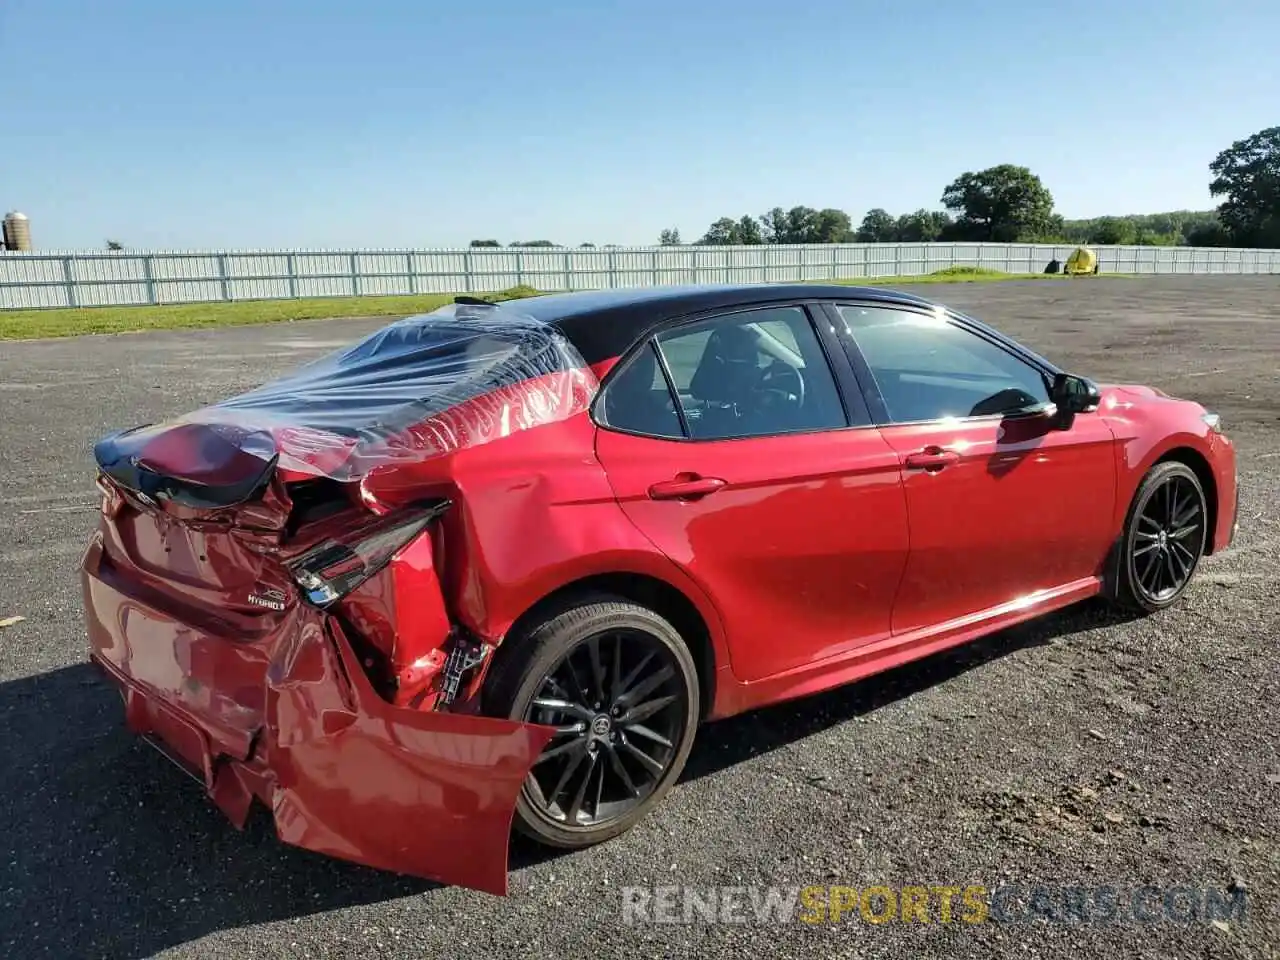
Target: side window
(751,374)
(928,368)
(637,399)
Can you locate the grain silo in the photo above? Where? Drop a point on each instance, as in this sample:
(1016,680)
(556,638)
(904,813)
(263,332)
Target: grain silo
(17,231)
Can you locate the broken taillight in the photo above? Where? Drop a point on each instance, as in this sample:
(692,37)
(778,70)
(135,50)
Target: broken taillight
(112,499)
(332,569)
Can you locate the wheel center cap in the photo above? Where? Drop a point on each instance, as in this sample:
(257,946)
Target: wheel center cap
(601,725)
(1164,538)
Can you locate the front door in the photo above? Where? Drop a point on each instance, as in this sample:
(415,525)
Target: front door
(728,446)
(1002,502)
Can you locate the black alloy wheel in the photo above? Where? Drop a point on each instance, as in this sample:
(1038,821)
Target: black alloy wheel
(620,688)
(1166,536)
(616,702)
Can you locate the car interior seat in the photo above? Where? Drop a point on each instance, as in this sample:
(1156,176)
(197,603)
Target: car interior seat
(726,379)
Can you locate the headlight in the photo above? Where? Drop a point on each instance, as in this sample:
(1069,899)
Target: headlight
(1212,421)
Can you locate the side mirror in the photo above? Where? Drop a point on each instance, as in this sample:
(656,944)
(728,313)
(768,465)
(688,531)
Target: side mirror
(1072,394)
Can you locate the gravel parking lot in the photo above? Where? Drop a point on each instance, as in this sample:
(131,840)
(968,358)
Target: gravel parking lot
(1079,750)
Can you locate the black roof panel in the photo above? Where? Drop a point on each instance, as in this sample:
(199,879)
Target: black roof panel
(605,323)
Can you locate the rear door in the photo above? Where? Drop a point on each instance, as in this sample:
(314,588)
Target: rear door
(1002,503)
(728,444)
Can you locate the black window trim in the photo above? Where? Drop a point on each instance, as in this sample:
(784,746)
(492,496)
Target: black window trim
(670,381)
(817,312)
(867,381)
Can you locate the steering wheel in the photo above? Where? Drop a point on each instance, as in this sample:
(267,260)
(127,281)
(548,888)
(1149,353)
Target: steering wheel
(781,385)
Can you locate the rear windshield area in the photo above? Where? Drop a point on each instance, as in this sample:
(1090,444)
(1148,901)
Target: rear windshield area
(421,387)
(413,369)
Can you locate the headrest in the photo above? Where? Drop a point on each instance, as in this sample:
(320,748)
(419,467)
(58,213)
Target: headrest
(729,366)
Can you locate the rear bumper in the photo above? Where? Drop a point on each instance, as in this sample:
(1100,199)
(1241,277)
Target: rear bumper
(343,772)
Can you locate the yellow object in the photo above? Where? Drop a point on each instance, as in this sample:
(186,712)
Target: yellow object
(1081,261)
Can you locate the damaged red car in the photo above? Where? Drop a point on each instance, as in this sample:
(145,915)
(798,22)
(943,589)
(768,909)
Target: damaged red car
(495,564)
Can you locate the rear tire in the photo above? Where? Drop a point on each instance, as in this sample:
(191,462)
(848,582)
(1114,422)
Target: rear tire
(1164,538)
(620,685)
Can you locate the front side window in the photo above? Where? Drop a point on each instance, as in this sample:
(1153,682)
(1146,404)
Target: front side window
(928,368)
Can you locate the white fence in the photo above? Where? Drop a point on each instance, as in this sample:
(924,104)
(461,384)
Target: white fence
(71,279)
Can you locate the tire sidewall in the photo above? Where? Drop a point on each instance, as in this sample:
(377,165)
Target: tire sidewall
(1155,478)
(612,616)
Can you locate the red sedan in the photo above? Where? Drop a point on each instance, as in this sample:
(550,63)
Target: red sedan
(498,562)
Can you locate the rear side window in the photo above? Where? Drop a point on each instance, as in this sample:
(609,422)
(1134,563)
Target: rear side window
(747,374)
(638,401)
(752,374)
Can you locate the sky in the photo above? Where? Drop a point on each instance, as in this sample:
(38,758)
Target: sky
(194,124)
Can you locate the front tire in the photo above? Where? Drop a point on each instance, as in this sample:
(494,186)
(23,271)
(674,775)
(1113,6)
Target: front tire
(620,686)
(1164,537)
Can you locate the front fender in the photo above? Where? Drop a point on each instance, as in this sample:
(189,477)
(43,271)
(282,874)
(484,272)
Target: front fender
(1149,427)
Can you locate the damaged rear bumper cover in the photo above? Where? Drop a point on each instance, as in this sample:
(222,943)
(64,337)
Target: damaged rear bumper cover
(343,772)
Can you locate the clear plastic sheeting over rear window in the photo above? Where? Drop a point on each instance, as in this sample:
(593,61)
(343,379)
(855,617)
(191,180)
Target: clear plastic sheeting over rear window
(425,386)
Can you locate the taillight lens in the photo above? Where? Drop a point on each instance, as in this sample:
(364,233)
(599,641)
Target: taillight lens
(333,569)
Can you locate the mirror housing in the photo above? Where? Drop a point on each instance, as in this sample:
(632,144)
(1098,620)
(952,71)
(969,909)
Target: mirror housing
(1072,394)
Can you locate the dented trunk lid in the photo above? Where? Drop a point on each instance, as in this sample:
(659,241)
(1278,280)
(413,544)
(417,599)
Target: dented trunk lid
(190,602)
(189,593)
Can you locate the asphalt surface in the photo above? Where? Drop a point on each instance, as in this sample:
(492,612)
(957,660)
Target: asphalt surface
(1078,750)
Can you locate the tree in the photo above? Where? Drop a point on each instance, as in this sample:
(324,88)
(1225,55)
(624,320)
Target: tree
(588,245)
(669,237)
(800,224)
(749,232)
(1004,203)
(923,226)
(877,226)
(1248,174)
(722,233)
(729,232)
(773,225)
(533,243)
(1050,232)
(1113,230)
(1178,223)
(1208,235)
(486,243)
(1149,238)
(1204,223)
(114,245)
(832,226)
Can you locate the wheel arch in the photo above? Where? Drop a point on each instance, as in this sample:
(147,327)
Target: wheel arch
(1180,450)
(645,590)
